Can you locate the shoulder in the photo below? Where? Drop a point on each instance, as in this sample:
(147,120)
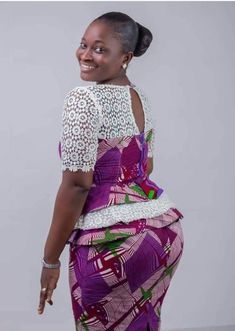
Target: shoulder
(78,92)
(81,97)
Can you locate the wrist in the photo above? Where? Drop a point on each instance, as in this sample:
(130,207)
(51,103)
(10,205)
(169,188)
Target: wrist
(45,264)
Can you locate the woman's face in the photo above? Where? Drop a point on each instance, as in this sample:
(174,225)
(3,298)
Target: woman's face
(101,52)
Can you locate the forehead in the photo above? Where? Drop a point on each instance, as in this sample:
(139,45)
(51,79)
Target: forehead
(99,31)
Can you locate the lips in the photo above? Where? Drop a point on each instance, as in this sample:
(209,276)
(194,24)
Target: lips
(89,65)
(85,66)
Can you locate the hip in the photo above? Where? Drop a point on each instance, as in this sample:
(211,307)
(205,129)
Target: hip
(121,230)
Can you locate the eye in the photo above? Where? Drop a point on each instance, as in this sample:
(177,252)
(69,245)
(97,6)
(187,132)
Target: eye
(81,44)
(101,49)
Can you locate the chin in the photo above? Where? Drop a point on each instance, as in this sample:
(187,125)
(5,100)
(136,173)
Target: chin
(86,78)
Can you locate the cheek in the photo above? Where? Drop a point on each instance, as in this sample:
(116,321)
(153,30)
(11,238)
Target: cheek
(78,52)
(102,61)
(107,62)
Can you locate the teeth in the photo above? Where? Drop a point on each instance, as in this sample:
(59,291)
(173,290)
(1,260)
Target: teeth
(85,66)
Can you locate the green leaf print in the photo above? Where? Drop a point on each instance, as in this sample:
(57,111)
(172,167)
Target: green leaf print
(149,135)
(169,271)
(158,312)
(139,190)
(111,245)
(109,236)
(127,200)
(146,294)
(151,194)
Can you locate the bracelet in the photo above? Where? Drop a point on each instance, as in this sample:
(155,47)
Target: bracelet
(50,265)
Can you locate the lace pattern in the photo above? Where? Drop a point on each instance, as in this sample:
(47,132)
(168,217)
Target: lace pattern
(95,112)
(124,213)
(81,120)
(118,118)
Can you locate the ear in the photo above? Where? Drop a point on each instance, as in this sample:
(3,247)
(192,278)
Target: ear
(129,56)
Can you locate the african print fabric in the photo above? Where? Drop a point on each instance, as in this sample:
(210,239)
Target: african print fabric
(119,275)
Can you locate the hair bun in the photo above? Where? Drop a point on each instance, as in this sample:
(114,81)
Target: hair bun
(131,35)
(144,40)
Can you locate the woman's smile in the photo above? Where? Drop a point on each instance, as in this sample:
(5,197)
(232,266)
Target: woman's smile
(85,67)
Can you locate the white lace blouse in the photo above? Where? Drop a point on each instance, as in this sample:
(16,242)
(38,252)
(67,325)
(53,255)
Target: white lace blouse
(96,112)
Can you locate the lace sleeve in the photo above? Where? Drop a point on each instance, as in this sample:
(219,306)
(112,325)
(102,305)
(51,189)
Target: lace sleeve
(81,119)
(151,142)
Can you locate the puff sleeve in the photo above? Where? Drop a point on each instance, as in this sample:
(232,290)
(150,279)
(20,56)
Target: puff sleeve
(81,119)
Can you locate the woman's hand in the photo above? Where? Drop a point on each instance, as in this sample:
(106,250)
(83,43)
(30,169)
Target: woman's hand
(49,279)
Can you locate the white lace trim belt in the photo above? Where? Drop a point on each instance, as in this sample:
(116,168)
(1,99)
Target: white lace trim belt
(124,213)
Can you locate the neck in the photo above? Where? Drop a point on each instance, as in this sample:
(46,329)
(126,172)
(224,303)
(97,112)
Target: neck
(116,81)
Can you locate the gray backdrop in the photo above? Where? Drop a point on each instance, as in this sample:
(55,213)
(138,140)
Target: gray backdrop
(188,74)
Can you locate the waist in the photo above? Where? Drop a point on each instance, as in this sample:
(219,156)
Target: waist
(124,213)
(105,195)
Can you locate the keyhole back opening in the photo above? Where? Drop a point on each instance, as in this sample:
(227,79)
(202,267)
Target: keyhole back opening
(137,109)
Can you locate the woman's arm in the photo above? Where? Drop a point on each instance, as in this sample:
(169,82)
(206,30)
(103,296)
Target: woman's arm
(68,206)
(77,165)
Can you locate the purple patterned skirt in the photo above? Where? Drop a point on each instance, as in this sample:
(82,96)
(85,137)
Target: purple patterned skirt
(119,275)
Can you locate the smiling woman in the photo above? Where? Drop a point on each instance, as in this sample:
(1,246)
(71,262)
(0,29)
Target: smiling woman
(101,49)
(124,233)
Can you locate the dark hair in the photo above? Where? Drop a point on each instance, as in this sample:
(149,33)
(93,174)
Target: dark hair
(133,36)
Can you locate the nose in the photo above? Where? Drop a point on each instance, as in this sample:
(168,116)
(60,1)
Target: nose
(85,55)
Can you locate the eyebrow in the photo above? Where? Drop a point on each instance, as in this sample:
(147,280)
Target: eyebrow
(97,40)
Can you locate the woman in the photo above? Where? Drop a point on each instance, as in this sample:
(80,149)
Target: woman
(124,234)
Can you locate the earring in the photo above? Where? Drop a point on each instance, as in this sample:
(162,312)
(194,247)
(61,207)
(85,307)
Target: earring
(124,66)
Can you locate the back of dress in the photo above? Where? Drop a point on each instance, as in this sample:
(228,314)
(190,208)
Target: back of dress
(99,133)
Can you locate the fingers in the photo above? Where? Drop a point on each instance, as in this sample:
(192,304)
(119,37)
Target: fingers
(49,295)
(43,295)
(49,279)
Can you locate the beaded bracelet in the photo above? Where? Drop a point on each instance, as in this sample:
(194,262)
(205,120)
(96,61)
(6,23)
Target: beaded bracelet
(50,265)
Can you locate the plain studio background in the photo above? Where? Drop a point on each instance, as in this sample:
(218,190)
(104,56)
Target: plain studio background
(188,74)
